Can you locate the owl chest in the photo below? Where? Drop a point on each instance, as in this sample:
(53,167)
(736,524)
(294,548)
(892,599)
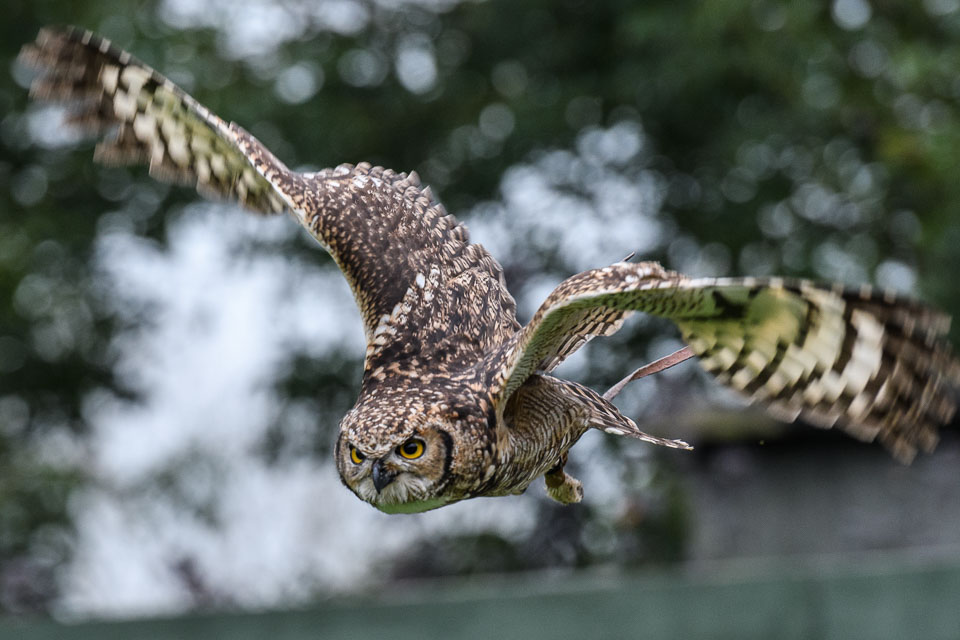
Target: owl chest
(533,445)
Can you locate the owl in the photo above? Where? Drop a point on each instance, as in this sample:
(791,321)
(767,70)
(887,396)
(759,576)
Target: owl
(457,399)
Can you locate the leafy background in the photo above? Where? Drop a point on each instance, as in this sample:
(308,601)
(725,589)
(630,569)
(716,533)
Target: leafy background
(172,371)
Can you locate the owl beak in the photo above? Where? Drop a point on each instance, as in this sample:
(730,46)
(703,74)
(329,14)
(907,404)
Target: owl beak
(382,477)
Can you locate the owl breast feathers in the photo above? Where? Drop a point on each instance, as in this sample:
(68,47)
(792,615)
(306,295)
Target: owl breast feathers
(457,399)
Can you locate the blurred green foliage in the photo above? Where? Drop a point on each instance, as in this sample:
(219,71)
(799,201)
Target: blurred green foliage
(790,137)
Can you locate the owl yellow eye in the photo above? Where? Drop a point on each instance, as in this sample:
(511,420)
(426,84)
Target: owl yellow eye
(355,455)
(411,449)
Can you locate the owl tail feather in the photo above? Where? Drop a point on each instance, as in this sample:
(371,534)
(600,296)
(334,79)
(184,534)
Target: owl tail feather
(627,427)
(606,417)
(656,366)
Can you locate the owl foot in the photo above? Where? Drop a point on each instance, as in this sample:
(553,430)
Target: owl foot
(563,487)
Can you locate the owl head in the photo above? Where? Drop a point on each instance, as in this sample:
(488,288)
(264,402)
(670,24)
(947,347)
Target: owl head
(409,456)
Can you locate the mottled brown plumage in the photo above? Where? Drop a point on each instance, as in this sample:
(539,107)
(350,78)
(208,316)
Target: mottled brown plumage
(456,400)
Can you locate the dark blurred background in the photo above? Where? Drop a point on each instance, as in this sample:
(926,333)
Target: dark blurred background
(172,372)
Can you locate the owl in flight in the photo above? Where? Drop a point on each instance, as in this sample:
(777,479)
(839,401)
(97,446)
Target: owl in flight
(457,400)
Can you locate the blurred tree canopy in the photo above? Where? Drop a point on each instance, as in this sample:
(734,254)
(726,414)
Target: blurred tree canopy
(814,139)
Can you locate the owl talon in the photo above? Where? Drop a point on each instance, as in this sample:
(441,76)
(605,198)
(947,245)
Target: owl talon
(563,487)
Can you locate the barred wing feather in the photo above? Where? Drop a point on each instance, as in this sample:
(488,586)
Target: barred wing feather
(871,362)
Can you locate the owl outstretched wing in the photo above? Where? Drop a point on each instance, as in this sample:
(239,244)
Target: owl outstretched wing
(411,266)
(871,362)
(147,118)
